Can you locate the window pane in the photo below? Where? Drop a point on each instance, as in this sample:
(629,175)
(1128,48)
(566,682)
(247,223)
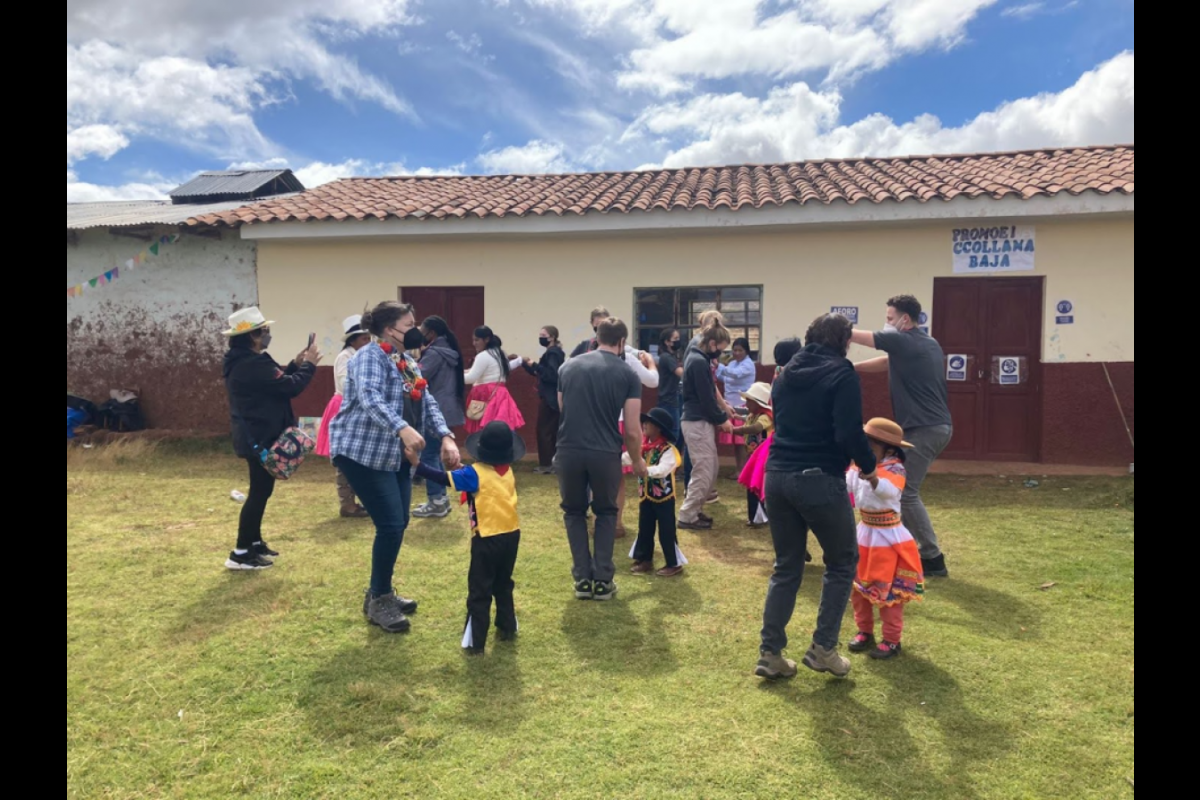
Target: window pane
(736,318)
(656,307)
(742,293)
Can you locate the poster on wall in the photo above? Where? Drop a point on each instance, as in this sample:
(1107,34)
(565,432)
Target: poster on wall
(1010,370)
(987,251)
(956,368)
(849,312)
(1066,313)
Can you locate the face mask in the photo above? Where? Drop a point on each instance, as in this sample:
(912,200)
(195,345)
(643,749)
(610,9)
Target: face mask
(265,341)
(414,339)
(715,356)
(595,329)
(544,341)
(890,328)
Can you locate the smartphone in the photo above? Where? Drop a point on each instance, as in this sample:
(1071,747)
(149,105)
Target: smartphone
(312,339)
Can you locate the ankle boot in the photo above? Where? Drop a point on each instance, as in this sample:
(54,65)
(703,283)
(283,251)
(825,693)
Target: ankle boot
(350,507)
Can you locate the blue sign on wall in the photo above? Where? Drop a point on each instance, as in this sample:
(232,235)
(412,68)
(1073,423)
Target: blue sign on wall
(1066,315)
(849,312)
(956,368)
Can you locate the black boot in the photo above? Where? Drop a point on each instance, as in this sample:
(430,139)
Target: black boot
(935,567)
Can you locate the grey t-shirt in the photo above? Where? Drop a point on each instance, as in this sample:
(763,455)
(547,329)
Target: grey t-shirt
(917,368)
(595,387)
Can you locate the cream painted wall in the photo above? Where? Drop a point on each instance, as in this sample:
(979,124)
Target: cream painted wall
(313,284)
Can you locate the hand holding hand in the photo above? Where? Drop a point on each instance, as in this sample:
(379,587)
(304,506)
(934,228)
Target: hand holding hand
(413,442)
(451,457)
(727,427)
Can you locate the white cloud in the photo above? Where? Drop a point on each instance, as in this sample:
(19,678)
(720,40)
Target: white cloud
(104,141)
(536,158)
(680,42)
(471,45)
(796,123)
(81,192)
(1025,11)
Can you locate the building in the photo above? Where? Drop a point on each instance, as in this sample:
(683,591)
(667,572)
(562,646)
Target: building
(147,296)
(1024,261)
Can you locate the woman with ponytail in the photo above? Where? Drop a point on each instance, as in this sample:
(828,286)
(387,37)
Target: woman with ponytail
(443,366)
(489,399)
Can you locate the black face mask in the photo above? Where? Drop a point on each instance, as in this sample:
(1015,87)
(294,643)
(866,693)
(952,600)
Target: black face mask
(544,341)
(414,339)
(715,356)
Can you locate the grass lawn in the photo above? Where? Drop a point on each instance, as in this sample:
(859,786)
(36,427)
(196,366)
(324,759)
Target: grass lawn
(185,681)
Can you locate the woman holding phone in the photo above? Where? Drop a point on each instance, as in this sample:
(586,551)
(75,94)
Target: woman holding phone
(386,407)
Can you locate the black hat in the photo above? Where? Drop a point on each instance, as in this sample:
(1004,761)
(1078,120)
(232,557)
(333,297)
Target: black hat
(496,445)
(663,419)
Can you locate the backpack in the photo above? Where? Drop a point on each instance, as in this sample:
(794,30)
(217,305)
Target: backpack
(75,418)
(122,416)
(85,407)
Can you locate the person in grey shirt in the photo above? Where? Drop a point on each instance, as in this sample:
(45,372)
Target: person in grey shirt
(593,390)
(916,367)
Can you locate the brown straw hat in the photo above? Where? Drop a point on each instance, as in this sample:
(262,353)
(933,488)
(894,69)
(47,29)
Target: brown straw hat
(887,432)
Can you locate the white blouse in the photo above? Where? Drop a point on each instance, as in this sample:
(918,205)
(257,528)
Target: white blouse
(648,377)
(487,370)
(340,367)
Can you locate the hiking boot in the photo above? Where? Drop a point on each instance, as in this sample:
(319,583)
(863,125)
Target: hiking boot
(350,508)
(773,666)
(249,561)
(935,567)
(264,550)
(642,567)
(406,606)
(818,659)
(700,524)
(437,509)
(584,590)
(354,511)
(862,642)
(604,591)
(385,613)
(670,572)
(705,517)
(886,651)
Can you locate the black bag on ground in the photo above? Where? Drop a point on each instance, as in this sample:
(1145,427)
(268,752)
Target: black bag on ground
(122,416)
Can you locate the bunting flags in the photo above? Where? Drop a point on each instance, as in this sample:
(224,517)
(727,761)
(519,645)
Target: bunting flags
(129,266)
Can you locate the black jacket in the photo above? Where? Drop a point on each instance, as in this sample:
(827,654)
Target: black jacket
(700,389)
(818,415)
(584,347)
(546,371)
(260,397)
(442,366)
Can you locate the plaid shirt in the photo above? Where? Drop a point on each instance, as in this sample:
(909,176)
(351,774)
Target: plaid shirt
(376,406)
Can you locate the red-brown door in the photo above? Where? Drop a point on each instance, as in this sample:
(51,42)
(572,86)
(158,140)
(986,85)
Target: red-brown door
(461,306)
(995,326)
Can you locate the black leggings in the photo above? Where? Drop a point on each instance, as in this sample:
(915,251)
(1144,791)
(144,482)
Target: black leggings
(262,486)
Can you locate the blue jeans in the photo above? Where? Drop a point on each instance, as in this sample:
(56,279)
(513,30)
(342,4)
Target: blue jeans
(386,496)
(797,503)
(432,458)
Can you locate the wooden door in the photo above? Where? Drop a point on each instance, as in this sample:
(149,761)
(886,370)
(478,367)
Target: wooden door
(995,325)
(461,306)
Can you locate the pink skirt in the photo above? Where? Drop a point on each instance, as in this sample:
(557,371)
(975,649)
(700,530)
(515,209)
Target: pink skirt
(500,406)
(331,411)
(732,438)
(754,474)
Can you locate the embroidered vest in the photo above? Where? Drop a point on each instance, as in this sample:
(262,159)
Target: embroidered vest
(659,490)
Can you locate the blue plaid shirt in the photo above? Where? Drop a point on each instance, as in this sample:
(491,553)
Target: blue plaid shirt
(375,404)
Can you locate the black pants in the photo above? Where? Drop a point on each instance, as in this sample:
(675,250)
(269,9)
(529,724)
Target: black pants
(493,559)
(660,516)
(752,505)
(547,433)
(262,486)
(579,471)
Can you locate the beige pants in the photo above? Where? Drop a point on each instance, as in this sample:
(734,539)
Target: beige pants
(701,438)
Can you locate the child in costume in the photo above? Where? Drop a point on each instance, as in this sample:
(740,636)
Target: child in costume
(658,492)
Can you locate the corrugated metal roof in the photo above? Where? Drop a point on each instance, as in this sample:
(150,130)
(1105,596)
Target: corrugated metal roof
(127,214)
(240,183)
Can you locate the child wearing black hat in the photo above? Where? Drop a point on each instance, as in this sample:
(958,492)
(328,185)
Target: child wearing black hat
(490,492)
(658,497)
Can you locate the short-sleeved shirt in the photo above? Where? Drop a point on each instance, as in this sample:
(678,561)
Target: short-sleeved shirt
(917,368)
(595,387)
(668,381)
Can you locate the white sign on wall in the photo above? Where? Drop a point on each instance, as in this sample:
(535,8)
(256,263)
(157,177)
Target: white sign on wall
(1010,371)
(986,251)
(956,368)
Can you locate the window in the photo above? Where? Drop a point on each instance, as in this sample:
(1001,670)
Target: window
(657,310)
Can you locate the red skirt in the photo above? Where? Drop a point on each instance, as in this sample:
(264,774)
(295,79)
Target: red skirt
(331,411)
(500,406)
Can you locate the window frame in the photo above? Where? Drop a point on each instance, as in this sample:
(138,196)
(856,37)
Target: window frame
(688,328)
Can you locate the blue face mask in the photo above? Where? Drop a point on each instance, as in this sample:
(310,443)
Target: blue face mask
(264,341)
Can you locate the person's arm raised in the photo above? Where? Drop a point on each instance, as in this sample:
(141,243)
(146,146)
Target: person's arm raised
(872,365)
(863,339)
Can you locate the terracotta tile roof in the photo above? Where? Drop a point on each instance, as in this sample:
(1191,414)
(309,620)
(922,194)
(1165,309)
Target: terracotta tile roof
(1103,170)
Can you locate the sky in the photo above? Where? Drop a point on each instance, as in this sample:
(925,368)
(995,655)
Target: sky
(157,92)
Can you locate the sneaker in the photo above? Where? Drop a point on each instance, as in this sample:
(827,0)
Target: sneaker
(818,659)
(670,572)
(712,499)
(434,510)
(700,524)
(604,591)
(862,642)
(584,590)
(935,567)
(642,567)
(543,470)
(705,517)
(407,606)
(247,562)
(886,651)
(773,666)
(385,613)
(264,550)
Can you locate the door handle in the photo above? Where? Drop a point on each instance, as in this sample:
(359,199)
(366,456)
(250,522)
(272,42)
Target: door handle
(980,374)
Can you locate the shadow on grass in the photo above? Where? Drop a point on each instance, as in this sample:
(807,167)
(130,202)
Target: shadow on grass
(608,637)
(986,606)
(232,599)
(875,749)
